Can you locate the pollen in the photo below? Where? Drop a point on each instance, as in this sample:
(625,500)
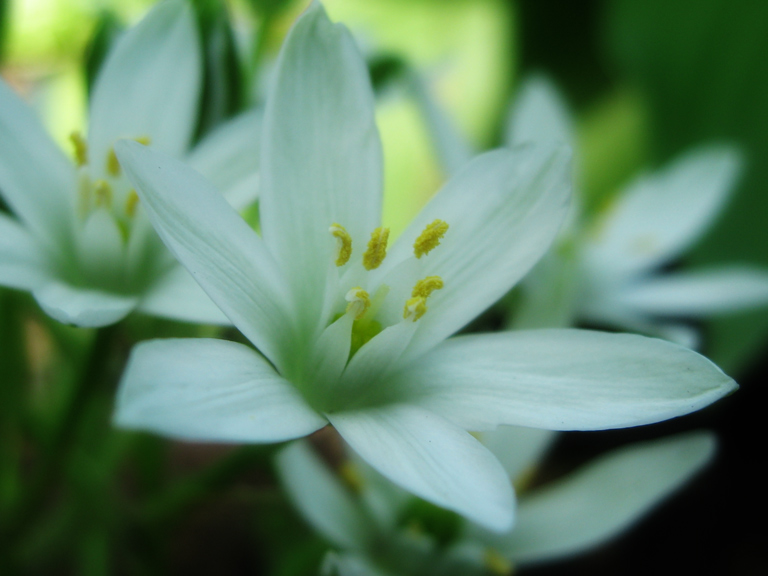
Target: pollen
(344,249)
(81,148)
(415,308)
(131,202)
(377,248)
(430,238)
(359,302)
(426,286)
(103,193)
(113,164)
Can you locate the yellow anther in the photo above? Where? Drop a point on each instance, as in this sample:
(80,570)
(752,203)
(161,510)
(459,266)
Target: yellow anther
(359,302)
(113,164)
(425,287)
(429,239)
(145,140)
(377,248)
(131,202)
(81,148)
(496,563)
(415,308)
(103,193)
(344,250)
(351,476)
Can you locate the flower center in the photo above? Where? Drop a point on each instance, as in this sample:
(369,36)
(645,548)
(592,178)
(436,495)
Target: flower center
(110,193)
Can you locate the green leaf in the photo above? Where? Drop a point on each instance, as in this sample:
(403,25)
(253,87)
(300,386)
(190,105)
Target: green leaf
(108,28)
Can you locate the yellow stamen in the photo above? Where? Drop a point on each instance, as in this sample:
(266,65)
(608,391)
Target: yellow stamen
(145,140)
(415,308)
(81,148)
(83,195)
(429,239)
(103,193)
(496,563)
(131,202)
(377,248)
(113,164)
(425,287)
(359,302)
(351,476)
(344,250)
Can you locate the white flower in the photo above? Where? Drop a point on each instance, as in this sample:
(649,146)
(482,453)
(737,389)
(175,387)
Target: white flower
(353,333)
(367,517)
(606,269)
(79,240)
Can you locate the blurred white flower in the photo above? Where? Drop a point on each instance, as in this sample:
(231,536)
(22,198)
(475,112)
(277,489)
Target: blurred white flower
(357,338)
(376,530)
(606,270)
(79,241)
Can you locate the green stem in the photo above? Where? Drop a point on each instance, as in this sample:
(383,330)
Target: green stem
(56,454)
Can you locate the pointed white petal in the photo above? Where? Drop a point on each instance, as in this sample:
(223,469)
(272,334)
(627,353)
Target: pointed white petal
(36,179)
(539,114)
(562,380)
(452,147)
(213,390)
(503,210)
(214,243)
(662,214)
(433,459)
(700,292)
(518,449)
(149,85)
(604,498)
(321,497)
(229,157)
(321,155)
(23,263)
(177,296)
(82,306)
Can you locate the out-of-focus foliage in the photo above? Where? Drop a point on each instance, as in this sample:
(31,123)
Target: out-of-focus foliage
(701,65)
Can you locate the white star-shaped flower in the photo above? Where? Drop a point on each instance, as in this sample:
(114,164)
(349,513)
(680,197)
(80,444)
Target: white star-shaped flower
(352,332)
(78,239)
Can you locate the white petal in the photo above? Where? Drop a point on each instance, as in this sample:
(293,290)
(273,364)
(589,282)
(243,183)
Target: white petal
(23,263)
(82,306)
(321,497)
(453,148)
(36,179)
(214,243)
(539,114)
(503,210)
(699,293)
(214,390)
(229,157)
(662,214)
(149,85)
(322,155)
(562,380)
(433,459)
(177,296)
(604,498)
(518,449)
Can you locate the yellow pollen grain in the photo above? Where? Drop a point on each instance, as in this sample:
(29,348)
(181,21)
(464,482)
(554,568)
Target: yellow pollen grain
(430,238)
(426,286)
(344,250)
(81,148)
(415,308)
(103,193)
(131,202)
(359,302)
(377,248)
(113,164)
